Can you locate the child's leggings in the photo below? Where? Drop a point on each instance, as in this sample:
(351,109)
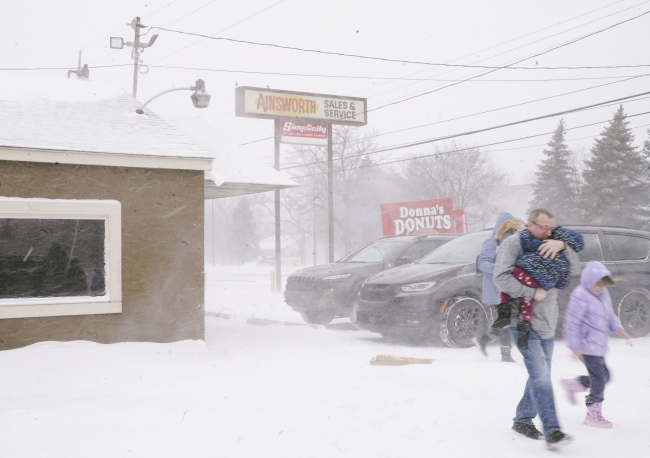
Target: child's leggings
(525,305)
(598,377)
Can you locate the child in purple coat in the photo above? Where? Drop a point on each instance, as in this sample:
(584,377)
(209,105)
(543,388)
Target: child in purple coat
(589,320)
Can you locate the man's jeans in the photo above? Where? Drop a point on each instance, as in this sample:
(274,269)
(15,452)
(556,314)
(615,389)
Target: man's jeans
(538,394)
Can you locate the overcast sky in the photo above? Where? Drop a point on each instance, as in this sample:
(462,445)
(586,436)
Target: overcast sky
(44,33)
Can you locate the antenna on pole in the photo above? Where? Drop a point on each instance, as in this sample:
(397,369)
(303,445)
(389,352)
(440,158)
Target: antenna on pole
(83,73)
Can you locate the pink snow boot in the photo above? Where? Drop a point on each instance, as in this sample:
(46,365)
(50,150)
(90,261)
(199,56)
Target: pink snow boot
(595,416)
(572,386)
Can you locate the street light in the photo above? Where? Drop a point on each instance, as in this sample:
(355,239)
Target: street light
(200,98)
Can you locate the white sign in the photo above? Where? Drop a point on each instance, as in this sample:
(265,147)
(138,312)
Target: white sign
(303,133)
(299,106)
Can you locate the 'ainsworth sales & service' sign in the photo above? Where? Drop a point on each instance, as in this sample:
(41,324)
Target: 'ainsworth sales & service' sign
(434,216)
(252,102)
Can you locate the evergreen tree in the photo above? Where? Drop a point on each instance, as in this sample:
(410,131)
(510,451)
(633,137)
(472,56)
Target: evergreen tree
(615,189)
(556,184)
(243,240)
(645,151)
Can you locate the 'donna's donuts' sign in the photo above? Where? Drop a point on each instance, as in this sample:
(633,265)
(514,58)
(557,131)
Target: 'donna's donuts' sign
(434,216)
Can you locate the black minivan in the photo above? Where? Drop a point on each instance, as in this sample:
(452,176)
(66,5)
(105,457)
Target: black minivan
(439,296)
(322,293)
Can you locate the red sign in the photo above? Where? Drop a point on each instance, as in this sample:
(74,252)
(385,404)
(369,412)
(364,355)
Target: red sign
(304,133)
(434,216)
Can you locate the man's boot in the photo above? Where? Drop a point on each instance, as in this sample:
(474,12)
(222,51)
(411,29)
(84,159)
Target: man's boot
(595,416)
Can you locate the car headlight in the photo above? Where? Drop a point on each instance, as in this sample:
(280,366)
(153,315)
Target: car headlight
(338,277)
(417,287)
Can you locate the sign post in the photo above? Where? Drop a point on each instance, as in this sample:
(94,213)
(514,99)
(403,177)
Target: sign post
(294,113)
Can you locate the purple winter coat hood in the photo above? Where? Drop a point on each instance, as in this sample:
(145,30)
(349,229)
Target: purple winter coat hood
(589,319)
(592,274)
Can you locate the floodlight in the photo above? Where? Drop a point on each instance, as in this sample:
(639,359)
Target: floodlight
(117,42)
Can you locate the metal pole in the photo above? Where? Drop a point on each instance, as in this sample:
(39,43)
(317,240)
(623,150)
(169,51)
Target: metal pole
(313,228)
(136,55)
(330,193)
(278,235)
(214,237)
(79,63)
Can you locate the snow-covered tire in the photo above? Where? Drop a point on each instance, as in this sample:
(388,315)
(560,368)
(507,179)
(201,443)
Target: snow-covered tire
(634,312)
(461,321)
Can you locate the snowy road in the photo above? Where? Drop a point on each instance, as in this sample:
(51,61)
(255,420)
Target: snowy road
(293,391)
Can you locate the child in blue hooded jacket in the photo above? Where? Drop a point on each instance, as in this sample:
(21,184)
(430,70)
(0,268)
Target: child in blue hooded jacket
(589,320)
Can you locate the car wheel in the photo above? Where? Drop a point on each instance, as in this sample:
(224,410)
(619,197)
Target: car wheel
(634,313)
(318,316)
(463,320)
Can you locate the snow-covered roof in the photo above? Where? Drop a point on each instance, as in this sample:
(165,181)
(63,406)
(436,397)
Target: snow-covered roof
(234,173)
(95,123)
(44,117)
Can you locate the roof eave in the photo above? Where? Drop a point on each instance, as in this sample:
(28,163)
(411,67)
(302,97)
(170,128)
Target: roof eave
(104,159)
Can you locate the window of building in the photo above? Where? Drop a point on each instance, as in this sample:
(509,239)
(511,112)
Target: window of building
(59,257)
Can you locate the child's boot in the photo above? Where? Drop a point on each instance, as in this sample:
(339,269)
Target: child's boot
(523,331)
(572,386)
(595,416)
(504,310)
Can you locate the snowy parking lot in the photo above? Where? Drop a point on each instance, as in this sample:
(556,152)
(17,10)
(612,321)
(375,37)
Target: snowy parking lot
(279,390)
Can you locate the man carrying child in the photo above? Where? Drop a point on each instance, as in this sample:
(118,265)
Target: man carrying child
(538,393)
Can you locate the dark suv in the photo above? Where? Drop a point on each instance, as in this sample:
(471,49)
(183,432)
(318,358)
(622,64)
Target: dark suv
(438,297)
(321,293)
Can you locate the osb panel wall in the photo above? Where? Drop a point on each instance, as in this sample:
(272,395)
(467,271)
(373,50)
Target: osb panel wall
(162,252)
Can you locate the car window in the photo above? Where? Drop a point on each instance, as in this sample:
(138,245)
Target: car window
(592,250)
(417,250)
(376,251)
(462,250)
(628,248)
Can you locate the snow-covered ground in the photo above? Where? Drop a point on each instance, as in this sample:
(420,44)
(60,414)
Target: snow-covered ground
(282,390)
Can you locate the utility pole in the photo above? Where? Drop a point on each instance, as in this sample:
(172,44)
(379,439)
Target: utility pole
(136,53)
(138,48)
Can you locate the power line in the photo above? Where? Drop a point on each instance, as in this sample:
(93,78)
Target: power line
(117,31)
(476,147)
(371,77)
(222,30)
(174,22)
(61,68)
(385,59)
(482,112)
(516,62)
(510,50)
(317,75)
(500,126)
(511,106)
